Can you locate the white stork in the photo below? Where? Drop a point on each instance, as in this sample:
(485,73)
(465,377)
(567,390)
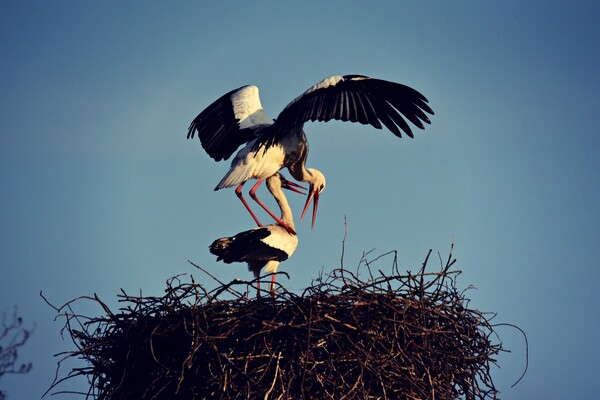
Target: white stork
(237,118)
(263,247)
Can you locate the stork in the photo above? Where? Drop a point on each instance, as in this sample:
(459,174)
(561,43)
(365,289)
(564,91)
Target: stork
(266,246)
(237,118)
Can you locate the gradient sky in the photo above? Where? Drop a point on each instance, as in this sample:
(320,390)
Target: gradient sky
(101,190)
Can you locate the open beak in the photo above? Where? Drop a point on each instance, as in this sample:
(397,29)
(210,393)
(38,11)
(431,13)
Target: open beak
(294,187)
(313,195)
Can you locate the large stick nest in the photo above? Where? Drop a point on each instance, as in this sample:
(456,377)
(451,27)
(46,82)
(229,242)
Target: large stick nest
(397,336)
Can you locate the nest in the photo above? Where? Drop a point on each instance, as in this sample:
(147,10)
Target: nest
(394,336)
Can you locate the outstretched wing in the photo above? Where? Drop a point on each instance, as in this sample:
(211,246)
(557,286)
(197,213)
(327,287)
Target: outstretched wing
(232,120)
(358,98)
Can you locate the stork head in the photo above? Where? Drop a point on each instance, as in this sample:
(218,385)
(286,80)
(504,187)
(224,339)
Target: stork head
(317,184)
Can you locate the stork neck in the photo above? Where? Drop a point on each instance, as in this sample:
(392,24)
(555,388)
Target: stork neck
(299,171)
(296,148)
(284,206)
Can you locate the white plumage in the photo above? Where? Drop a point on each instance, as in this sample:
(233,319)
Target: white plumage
(246,165)
(247,108)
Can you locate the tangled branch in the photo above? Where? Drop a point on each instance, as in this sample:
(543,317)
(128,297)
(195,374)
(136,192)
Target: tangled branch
(12,336)
(391,336)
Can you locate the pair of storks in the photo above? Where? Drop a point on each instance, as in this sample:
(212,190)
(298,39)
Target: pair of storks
(237,119)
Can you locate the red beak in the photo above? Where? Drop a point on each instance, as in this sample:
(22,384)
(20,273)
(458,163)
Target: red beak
(313,194)
(294,187)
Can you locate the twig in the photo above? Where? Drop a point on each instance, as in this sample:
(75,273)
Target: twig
(407,335)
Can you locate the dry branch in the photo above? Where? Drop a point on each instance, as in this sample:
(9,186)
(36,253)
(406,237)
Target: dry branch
(397,336)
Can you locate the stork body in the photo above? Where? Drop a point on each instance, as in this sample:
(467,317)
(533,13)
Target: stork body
(237,118)
(264,247)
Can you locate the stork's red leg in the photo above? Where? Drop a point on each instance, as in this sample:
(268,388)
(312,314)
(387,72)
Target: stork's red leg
(238,192)
(271,213)
(272,286)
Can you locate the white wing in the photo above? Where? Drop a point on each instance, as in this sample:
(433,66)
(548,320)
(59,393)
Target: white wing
(234,119)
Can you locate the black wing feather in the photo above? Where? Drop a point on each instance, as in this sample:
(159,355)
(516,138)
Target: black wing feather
(218,129)
(246,246)
(385,113)
(358,98)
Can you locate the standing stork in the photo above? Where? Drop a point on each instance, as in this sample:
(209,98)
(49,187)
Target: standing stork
(237,118)
(266,246)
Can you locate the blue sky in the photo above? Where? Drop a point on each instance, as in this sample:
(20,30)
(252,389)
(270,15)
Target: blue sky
(101,190)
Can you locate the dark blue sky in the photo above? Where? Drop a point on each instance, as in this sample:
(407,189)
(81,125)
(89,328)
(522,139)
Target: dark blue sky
(102,191)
